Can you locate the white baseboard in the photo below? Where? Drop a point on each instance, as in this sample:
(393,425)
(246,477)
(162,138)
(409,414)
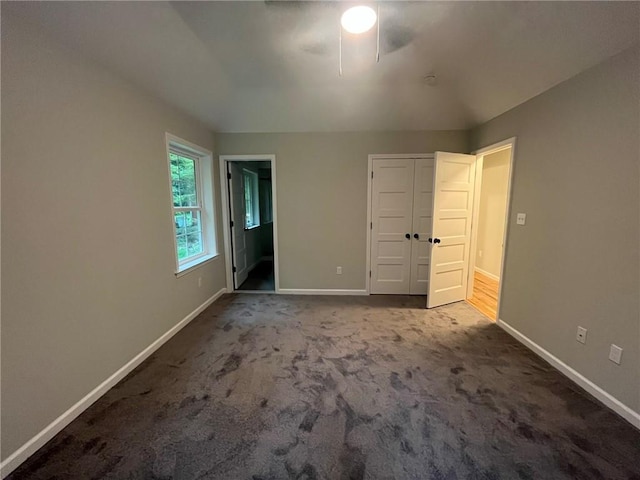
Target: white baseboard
(487,274)
(16,458)
(321,291)
(609,400)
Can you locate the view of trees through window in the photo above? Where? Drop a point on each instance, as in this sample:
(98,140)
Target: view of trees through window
(186,205)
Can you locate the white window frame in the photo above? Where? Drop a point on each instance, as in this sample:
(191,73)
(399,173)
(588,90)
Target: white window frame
(255,200)
(203,159)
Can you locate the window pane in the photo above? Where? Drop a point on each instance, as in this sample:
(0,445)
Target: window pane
(181,241)
(188,234)
(193,222)
(248,203)
(194,243)
(180,223)
(183,180)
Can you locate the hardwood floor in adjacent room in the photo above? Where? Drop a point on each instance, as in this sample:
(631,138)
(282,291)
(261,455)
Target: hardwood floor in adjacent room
(485,295)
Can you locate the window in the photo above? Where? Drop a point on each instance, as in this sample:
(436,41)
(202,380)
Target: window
(266,208)
(251,199)
(192,203)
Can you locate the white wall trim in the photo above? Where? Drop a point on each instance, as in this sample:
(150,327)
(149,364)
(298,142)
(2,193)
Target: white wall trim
(226,229)
(475,217)
(487,274)
(609,400)
(367,270)
(34,444)
(320,291)
(496,147)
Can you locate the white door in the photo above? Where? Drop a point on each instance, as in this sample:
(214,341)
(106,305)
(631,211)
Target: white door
(452,210)
(422,220)
(392,217)
(239,247)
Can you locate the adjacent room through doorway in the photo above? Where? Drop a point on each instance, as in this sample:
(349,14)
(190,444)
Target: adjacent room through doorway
(251,212)
(493,171)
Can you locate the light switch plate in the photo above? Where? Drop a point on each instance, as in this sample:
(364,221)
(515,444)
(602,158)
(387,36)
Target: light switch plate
(521,218)
(581,336)
(615,354)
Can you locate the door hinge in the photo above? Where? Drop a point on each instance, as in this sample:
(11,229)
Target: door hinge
(232,223)
(369,273)
(228,176)
(235,269)
(371,173)
(371,225)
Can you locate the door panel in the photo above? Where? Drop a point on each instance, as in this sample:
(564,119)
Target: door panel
(238,215)
(391,213)
(452,210)
(422,221)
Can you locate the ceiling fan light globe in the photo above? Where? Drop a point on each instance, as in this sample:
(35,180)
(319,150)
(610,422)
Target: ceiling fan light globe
(358,19)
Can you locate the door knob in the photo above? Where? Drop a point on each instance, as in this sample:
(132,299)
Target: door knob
(416,236)
(406,235)
(436,240)
(430,240)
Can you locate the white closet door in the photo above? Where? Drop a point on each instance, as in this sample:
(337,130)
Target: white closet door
(237,214)
(422,220)
(452,211)
(392,218)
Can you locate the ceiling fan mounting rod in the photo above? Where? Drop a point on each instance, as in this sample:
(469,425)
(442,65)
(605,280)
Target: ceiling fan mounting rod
(378,37)
(343,25)
(340,53)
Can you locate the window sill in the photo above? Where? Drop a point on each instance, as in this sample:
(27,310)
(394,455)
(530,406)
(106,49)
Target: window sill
(190,266)
(253,227)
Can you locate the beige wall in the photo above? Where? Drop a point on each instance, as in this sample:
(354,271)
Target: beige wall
(87,252)
(493,208)
(321,183)
(575,262)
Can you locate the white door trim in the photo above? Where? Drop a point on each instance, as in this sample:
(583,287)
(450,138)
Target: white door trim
(226,229)
(489,149)
(475,216)
(373,157)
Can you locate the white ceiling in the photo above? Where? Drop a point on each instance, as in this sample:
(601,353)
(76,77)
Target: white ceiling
(269,66)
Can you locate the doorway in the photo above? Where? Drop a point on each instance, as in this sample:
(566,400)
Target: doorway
(493,180)
(249,223)
(423,213)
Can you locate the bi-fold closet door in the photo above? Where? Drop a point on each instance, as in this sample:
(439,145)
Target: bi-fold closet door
(401,218)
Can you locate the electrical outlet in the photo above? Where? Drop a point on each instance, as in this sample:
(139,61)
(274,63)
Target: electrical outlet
(338,270)
(615,354)
(521,218)
(480,253)
(199,282)
(581,336)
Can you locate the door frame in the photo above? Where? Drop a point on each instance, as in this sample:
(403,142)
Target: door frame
(480,154)
(372,157)
(226,219)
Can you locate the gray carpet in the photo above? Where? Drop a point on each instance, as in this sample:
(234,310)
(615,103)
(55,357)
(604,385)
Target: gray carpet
(283,387)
